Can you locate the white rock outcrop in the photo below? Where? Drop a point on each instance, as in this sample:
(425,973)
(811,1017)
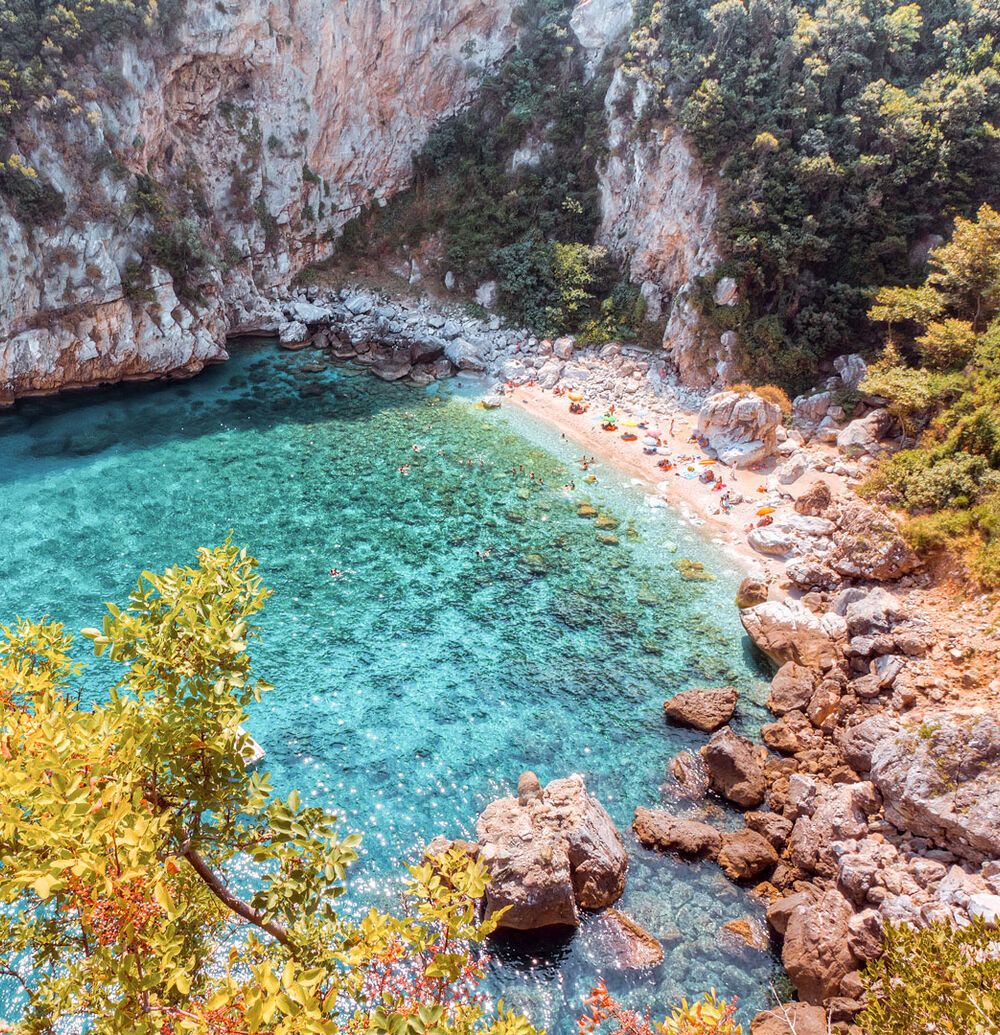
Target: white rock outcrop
(742,429)
(658,211)
(290,118)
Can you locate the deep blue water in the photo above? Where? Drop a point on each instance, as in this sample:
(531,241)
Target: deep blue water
(415,688)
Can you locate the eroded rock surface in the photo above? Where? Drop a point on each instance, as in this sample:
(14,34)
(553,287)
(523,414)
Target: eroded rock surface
(941,779)
(551,852)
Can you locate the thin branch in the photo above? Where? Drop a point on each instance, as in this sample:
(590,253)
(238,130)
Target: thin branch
(217,886)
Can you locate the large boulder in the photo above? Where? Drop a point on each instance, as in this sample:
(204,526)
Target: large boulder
(791,688)
(940,779)
(746,855)
(836,813)
(851,368)
(704,710)
(550,852)
(863,437)
(464,355)
(874,611)
(869,545)
(736,768)
(858,742)
(815,500)
(787,631)
(742,429)
(816,952)
(658,829)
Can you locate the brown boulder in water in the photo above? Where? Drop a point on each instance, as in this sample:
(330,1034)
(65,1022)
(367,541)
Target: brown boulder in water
(628,945)
(658,829)
(735,768)
(551,852)
(704,710)
(746,854)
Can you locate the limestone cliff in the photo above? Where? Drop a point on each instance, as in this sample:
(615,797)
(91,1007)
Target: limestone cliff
(279,121)
(658,210)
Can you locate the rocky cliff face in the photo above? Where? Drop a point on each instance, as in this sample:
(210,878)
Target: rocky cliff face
(658,209)
(279,121)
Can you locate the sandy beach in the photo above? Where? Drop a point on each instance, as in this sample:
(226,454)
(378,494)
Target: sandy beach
(696,501)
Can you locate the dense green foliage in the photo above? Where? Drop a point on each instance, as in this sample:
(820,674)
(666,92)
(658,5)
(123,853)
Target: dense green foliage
(124,826)
(844,130)
(940,377)
(940,978)
(532,227)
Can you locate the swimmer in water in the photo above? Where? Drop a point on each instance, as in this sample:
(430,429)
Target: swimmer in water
(335,573)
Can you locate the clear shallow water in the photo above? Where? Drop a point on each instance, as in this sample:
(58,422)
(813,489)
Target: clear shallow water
(418,686)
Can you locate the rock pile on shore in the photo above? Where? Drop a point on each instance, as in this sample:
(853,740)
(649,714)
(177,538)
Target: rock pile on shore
(878,805)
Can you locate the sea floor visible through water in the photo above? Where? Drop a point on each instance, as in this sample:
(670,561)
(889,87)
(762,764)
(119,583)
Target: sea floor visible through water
(416,687)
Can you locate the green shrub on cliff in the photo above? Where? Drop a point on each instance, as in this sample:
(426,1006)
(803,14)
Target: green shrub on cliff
(940,978)
(948,398)
(509,188)
(40,40)
(844,131)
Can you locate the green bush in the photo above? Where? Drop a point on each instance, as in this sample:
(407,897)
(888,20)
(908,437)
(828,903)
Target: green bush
(177,246)
(529,228)
(34,199)
(41,39)
(954,400)
(940,978)
(843,133)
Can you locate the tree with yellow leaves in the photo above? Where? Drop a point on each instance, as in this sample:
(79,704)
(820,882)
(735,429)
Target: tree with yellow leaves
(122,824)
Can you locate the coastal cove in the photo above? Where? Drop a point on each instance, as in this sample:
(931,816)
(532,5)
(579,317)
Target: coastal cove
(414,688)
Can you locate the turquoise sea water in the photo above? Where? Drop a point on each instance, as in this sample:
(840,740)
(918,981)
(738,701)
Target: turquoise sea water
(417,686)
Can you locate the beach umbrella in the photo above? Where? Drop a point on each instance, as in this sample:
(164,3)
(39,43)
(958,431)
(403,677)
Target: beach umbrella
(650,441)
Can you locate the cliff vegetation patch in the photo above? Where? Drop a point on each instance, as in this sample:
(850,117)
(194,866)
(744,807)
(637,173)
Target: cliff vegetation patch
(509,189)
(845,132)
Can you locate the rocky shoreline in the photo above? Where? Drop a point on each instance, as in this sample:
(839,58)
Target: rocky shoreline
(875,795)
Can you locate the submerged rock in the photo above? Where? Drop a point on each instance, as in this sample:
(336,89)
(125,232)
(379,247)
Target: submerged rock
(748,932)
(551,852)
(688,769)
(626,944)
